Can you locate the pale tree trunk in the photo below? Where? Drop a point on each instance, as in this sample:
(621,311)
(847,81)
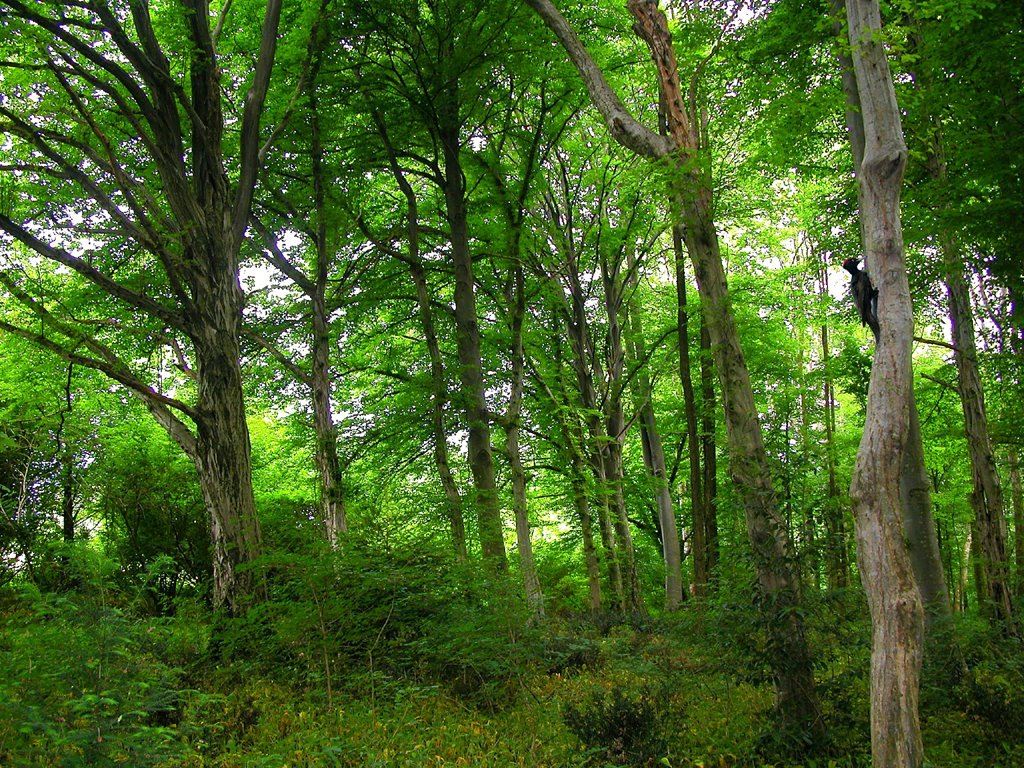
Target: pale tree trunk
(653,451)
(796,700)
(516,301)
(915,495)
(897,614)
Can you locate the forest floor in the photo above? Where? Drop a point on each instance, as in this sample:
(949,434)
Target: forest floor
(88,678)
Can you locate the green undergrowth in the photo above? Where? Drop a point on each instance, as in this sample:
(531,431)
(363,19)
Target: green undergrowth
(364,662)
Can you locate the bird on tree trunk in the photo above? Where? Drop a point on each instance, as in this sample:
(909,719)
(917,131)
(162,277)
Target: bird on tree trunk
(865,295)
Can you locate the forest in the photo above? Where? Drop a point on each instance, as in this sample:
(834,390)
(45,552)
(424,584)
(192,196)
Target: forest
(511,383)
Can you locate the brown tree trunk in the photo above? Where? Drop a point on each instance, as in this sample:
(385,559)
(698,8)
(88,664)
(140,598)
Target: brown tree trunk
(987,494)
(835,546)
(893,596)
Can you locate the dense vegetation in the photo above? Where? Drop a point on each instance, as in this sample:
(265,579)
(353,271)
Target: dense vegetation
(372,392)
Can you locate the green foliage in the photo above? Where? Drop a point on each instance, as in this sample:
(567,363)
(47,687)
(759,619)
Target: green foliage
(617,727)
(85,683)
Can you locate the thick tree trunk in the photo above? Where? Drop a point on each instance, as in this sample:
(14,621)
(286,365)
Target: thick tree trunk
(915,496)
(332,499)
(223,456)
(893,596)
(481,461)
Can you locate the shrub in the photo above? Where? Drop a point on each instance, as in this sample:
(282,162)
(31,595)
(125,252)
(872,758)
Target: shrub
(618,728)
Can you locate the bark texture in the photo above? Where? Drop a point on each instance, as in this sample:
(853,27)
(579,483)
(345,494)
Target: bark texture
(896,609)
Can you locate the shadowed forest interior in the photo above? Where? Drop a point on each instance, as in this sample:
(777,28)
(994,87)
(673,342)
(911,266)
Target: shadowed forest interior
(433,383)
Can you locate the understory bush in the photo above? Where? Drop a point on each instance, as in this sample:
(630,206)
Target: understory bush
(618,728)
(84,683)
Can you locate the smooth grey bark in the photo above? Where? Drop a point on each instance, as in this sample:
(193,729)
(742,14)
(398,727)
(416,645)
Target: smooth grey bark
(894,598)
(796,700)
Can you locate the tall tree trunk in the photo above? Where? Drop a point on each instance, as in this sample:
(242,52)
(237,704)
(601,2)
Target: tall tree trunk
(616,430)
(481,461)
(582,355)
(572,436)
(1017,495)
(699,547)
(332,499)
(438,382)
(709,450)
(897,614)
(653,451)
(987,494)
(835,546)
(516,300)
(67,465)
